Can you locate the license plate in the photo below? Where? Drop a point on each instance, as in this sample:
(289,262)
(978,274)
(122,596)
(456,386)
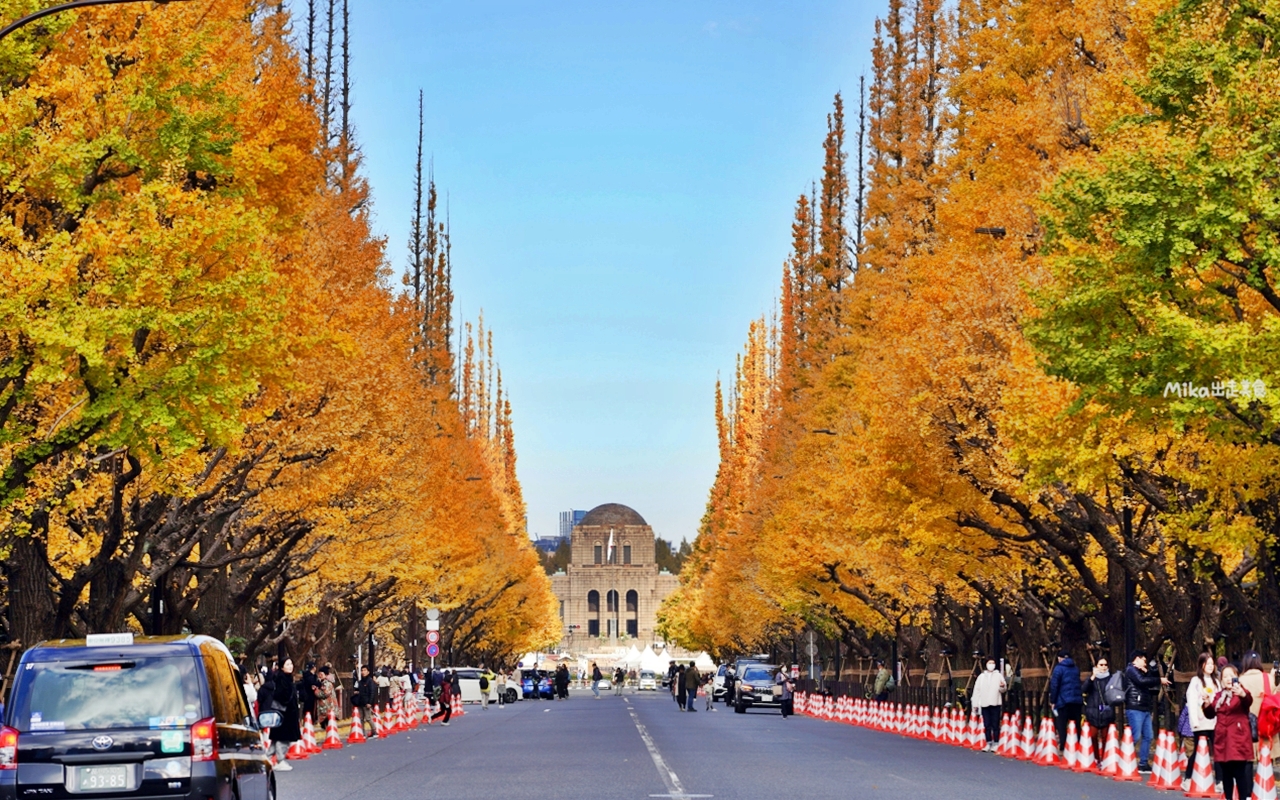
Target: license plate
(115,778)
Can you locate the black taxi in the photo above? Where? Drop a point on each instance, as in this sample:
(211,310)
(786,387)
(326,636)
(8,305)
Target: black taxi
(123,717)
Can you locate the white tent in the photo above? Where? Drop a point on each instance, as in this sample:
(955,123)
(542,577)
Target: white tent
(632,658)
(704,663)
(649,661)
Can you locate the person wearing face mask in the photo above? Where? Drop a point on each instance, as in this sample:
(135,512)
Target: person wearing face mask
(988,698)
(1100,713)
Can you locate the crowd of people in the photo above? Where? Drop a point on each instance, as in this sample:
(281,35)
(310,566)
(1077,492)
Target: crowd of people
(1231,707)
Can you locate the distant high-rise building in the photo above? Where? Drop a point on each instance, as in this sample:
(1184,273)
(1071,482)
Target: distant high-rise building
(568,519)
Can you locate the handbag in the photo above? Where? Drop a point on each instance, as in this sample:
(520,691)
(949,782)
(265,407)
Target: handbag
(1184,722)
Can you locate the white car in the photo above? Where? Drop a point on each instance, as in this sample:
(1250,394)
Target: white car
(648,681)
(604,683)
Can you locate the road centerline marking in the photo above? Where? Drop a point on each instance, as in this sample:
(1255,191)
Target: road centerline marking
(675,789)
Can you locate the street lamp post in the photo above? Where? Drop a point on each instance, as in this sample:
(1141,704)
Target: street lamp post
(72,6)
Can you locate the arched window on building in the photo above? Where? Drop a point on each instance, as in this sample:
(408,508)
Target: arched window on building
(633,613)
(593,613)
(612,612)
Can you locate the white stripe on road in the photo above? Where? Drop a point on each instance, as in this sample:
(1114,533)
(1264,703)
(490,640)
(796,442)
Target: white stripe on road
(675,789)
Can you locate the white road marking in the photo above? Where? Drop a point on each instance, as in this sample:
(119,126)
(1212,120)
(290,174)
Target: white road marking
(675,789)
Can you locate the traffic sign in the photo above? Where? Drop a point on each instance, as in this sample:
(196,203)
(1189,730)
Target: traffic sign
(433,624)
(433,650)
(812,649)
(433,637)
(433,614)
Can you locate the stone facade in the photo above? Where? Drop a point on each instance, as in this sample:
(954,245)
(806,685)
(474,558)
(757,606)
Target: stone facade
(611,600)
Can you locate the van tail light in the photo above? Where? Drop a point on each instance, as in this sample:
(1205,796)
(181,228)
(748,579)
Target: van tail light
(204,740)
(8,748)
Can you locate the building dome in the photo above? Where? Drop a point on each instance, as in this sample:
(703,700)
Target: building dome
(612,514)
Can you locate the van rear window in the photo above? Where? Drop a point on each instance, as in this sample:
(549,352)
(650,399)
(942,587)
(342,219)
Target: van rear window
(52,697)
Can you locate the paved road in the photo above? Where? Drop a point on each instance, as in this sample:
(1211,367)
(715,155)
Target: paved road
(587,749)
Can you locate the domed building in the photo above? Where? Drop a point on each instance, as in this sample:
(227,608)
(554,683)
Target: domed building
(611,590)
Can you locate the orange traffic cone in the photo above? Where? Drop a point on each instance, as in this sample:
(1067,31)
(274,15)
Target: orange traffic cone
(1085,761)
(309,734)
(331,739)
(356,735)
(1202,775)
(297,752)
(1264,779)
(458,710)
(1025,749)
(1110,753)
(1162,768)
(1071,753)
(1128,765)
(375,718)
(1046,744)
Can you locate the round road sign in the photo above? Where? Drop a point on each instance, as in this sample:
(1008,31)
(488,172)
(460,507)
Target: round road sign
(433,637)
(433,613)
(433,650)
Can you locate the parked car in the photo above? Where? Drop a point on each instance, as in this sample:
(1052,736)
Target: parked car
(535,683)
(648,681)
(718,689)
(469,686)
(755,688)
(114,715)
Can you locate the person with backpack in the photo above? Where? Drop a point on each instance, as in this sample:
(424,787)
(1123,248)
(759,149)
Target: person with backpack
(1066,696)
(596,677)
(1141,688)
(1202,690)
(446,700)
(486,680)
(1099,704)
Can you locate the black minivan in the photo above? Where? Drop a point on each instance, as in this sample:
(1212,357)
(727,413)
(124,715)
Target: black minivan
(149,718)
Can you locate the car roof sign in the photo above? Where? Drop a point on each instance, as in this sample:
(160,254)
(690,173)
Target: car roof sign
(108,639)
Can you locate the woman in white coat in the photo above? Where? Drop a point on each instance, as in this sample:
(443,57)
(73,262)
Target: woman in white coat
(988,698)
(1201,691)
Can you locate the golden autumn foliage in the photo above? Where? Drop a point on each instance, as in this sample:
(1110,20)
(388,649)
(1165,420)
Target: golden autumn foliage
(212,399)
(960,437)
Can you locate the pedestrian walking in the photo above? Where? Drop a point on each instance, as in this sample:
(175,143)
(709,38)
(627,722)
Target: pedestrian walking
(783,681)
(884,682)
(619,680)
(988,698)
(1141,686)
(708,687)
(486,681)
(502,687)
(596,677)
(1233,736)
(1201,692)
(1066,696)
(446,700)
(691,682)
(363,695)
(682,691)
(1099,709)
(289,731)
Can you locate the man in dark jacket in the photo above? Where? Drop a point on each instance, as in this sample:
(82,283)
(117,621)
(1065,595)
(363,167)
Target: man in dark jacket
(363,696)
(692,680)
(309,690)
(1141,687)
(1066,696)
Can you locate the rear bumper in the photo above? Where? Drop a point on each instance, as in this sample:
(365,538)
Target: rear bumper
(198,787)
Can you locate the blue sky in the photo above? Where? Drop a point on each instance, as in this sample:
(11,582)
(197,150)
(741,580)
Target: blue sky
(620,178)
